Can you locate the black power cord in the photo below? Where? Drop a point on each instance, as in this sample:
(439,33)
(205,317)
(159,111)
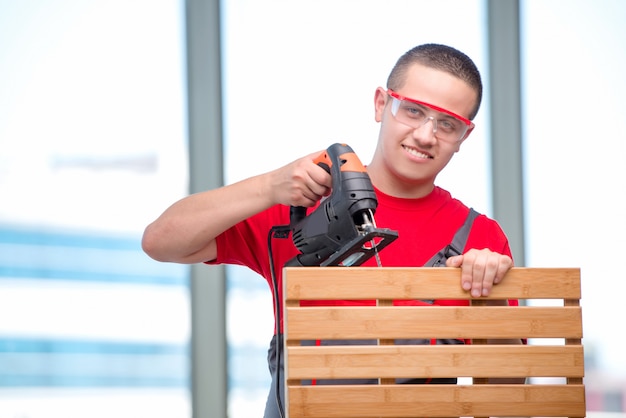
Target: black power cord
(277,232)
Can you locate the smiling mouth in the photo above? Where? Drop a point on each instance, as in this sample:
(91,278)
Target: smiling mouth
(416,153)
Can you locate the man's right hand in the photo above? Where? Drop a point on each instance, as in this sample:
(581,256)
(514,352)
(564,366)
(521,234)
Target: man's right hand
(300,183)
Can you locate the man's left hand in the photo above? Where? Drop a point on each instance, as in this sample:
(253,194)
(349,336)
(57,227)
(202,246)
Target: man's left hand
(480,270)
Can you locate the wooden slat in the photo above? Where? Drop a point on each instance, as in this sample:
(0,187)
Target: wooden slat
(357,322)
(425,283)
(363,362)
(437,401)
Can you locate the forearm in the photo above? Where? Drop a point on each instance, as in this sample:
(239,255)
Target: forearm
(186,231)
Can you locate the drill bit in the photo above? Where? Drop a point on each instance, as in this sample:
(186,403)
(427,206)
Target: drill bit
(371,223)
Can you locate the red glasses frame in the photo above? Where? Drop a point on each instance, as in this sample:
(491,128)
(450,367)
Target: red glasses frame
(431,106)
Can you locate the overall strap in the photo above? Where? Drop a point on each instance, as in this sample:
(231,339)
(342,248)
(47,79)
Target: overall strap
(457,245)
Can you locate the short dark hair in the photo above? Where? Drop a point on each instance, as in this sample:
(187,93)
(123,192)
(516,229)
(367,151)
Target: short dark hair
(440,57)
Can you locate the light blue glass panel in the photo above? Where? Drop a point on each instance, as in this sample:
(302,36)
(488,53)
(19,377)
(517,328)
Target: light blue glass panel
(92,148)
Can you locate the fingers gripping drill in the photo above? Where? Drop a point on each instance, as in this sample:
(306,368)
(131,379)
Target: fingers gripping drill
(341,231)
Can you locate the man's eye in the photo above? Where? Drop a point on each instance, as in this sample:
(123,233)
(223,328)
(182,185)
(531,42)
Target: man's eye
(447,125)
(414,112)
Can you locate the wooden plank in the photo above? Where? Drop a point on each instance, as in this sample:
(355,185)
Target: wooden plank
(409,401)
(465,322)
(363,362)
(336,283)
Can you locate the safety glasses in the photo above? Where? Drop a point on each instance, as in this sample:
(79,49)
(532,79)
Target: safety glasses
(447,126)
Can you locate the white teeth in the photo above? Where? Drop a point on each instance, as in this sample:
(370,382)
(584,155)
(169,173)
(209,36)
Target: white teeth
(416,153)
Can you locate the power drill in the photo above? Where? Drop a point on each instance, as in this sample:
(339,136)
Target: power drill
(341,231)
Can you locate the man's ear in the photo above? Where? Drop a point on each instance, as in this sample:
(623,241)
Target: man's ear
(380,100)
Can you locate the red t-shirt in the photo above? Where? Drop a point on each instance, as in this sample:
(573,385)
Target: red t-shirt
(424,226)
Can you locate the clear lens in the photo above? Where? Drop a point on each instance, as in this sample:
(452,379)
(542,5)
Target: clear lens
(445,127)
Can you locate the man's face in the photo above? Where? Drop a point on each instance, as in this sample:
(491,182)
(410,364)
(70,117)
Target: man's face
(414,156)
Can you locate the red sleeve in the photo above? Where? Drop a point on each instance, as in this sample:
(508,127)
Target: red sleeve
(246,243)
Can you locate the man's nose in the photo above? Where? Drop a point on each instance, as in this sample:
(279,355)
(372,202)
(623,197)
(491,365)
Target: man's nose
(424,132)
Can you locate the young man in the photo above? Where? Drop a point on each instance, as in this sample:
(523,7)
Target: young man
(425,113)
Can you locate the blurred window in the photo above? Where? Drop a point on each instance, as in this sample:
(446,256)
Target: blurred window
(92,133)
